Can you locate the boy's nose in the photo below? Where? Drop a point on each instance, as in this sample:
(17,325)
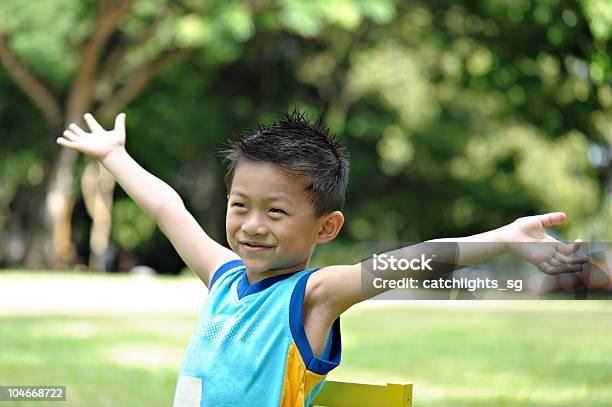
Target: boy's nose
(254,226)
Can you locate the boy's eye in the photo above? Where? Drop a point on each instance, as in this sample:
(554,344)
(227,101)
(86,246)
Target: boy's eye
(238,205)
(276,210)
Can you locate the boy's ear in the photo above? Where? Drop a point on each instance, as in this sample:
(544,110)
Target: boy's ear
(330,227)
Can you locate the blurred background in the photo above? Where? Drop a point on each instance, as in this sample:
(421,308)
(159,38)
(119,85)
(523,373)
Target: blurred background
(459,117)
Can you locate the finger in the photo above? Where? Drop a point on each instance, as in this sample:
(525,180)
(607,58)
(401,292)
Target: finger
(66,143)
(569,248)
(94,126)
(554,262)
(77,130)
(553,269)
(551,219)
(70,135)
(120,121)
(570,260)
(545,267)
(567,268)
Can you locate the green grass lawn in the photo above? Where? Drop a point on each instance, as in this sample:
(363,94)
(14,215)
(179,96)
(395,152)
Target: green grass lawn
(527,357)
(518,353)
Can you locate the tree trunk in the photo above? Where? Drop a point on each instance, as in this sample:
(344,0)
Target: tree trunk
(97,185)
(41,234)
(40,218)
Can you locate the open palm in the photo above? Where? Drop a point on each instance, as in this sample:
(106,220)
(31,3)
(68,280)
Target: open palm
(99,142)
(529,240)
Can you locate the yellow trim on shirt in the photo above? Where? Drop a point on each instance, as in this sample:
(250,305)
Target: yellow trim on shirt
(298,382)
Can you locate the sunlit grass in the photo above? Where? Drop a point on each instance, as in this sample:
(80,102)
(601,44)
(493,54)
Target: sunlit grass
(103,361)
(518,353)
(531,357)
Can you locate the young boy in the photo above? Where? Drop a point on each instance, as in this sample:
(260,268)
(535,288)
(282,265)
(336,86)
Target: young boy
(269,330)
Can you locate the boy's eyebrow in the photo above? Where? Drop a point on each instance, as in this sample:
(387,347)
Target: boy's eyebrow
(271,197)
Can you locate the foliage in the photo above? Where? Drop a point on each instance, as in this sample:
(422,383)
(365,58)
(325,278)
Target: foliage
(131,226)
(459,117)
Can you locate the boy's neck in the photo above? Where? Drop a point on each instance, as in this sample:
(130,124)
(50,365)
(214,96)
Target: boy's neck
(254,277)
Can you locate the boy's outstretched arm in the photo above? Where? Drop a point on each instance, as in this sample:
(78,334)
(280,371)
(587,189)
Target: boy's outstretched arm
(199,252)
(337,288)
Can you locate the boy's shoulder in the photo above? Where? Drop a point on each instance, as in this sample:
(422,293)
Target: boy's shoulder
(230,267)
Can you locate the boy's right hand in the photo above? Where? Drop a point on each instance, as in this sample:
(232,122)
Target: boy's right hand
(97,144)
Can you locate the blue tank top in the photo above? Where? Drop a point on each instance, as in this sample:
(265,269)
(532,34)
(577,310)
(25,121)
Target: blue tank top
(249,347)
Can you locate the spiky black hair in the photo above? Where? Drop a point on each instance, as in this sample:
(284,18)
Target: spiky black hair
(300,147)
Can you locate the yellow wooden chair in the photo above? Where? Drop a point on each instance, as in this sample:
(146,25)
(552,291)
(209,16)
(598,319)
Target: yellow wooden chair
(347,394)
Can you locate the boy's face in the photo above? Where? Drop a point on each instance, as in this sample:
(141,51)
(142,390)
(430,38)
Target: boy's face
(270,220)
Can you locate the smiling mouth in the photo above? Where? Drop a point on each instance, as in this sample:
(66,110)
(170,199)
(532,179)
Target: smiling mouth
(255,246)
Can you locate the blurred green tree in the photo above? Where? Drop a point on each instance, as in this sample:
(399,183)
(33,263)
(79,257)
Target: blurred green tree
(480,112)
(458,117)
(70,57)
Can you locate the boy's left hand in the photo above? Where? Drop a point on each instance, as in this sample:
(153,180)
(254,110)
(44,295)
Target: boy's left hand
(527,238)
